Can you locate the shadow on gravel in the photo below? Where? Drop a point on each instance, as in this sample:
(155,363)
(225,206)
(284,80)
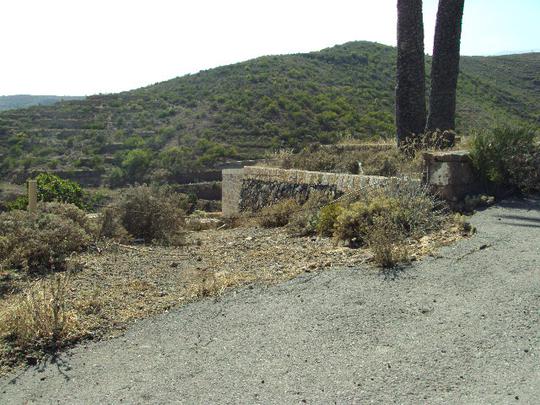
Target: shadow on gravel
(61,365)
(394,273)
(526,203)
(522,220)
(523,225)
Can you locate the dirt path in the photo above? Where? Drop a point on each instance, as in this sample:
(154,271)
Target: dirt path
(463,327)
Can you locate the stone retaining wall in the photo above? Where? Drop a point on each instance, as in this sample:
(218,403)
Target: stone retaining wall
(252,188)
(449,174)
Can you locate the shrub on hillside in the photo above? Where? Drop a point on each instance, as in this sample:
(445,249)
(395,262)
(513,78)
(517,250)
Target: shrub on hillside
(153,214)
(41,242)
(508,157)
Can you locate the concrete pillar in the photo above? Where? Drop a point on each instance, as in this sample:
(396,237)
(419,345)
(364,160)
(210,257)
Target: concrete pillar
(450,174)
(231,189)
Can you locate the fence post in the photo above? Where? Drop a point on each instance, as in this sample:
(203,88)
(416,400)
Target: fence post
(32,195)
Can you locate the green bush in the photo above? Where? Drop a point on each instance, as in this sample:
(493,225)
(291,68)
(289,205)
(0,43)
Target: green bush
(327,219)
(53,188)
(136,164)
(508,157)
(355,222)
(117,177)
(41,242)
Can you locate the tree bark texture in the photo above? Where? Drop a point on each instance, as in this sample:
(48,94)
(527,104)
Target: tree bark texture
(445,66)
(410,88)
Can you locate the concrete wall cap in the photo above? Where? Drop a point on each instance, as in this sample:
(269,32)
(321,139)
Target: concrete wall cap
(448,156)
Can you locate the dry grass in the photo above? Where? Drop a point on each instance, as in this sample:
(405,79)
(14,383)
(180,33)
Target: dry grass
(362,158)
(381,158)
(39,319)
(278,214)
(204,283)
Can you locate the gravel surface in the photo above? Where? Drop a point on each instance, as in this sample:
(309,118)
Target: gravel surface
(461,327)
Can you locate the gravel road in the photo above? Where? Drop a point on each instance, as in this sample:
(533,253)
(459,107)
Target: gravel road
(462,327)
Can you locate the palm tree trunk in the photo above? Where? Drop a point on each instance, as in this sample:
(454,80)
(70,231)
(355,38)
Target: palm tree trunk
(410,89)
(445,66)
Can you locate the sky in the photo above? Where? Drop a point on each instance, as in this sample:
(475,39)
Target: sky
(84,47)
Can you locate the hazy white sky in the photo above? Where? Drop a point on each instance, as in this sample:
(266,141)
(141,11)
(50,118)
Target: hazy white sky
(83,47)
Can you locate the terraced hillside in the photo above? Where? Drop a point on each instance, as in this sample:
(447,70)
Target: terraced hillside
(194,122)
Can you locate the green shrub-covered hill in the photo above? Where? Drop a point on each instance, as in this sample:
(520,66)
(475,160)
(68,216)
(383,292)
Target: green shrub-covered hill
(246,109)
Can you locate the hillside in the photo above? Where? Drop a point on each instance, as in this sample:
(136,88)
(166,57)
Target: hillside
(243,110)
(24,100)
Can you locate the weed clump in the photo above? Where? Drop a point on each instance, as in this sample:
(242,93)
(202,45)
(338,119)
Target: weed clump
(387,242)
(327,218)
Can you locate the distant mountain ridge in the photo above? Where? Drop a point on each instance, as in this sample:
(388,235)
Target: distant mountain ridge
(27,100)
(249,108)
(511,53)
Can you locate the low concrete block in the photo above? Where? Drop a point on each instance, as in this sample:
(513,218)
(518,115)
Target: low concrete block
(450,174)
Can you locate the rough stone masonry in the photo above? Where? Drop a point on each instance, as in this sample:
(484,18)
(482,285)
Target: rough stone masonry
(449,174)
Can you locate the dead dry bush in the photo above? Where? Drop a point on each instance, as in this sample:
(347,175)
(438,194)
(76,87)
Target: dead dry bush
(387,242)
(151,214)
(206,283)
(110,226)
(278,214)
(39,320)
(42,242)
